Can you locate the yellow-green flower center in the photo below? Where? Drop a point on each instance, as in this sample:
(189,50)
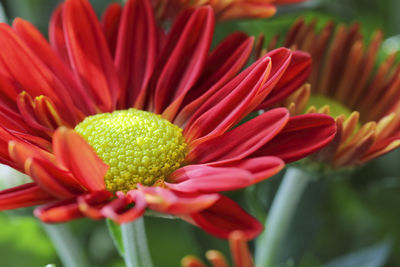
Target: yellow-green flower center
(336,108)
(139,146)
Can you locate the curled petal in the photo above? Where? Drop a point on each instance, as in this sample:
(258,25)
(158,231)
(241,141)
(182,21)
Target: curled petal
(121,209)
(224,217)
(168,201)
(62,211)
(25,195)
(92,203)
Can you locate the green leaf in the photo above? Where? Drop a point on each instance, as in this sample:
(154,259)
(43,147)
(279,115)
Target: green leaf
(116,235)
(373,256)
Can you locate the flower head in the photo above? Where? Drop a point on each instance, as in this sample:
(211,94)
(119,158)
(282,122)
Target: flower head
(241,255)
(224,9)
(347,84)
(110,119)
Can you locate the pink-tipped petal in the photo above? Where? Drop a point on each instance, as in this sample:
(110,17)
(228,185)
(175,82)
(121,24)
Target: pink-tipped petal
(224,217)
(125,209)
(207,179)
(260,168)
(168,201)
(72,152)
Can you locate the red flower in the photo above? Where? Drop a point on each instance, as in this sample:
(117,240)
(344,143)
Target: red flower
(348,87)
(117,164)
(224,9)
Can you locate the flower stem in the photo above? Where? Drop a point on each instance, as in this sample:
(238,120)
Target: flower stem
(68,248)
(135,244)
(285,202)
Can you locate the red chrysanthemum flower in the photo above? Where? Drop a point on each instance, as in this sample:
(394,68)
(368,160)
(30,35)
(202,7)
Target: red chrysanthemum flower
(347,84)
(224,9)
(240,253)
(111,119)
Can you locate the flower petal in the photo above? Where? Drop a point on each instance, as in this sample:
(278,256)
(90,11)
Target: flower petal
(25,195)
(62,211)
(72,151)
(168,201)
(182,60)
(110,21)
(222,110)
(39,45)
(295,75)
(225,61)
(260,168)
(303,135)
(57,182)
(207,179)
(224,217)
(135,54)
(89,54)
(121,210)
(243,140)
(91,204)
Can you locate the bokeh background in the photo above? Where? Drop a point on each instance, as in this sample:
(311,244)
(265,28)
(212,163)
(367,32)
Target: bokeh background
(352,220)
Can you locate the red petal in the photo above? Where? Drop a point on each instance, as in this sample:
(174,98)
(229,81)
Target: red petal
(243,140)
(110,22)
(57,182)
(167,201)
(136,50)
(39,45)
(20,152)
(56,34)
(23,196)
(37,79)
(89,54)
(223,64)
(302,136)
(207,179)
(182,59)
(91,204)
(295,75)
(72,151)
(62,211)
(224,217)
(261,168)
(223,110)
(121,210)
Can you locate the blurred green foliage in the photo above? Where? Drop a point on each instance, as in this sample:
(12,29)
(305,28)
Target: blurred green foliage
(340,221)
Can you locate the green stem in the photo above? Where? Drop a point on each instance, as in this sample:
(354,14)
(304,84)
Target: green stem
(135,244)
(68,248)
(285,202)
